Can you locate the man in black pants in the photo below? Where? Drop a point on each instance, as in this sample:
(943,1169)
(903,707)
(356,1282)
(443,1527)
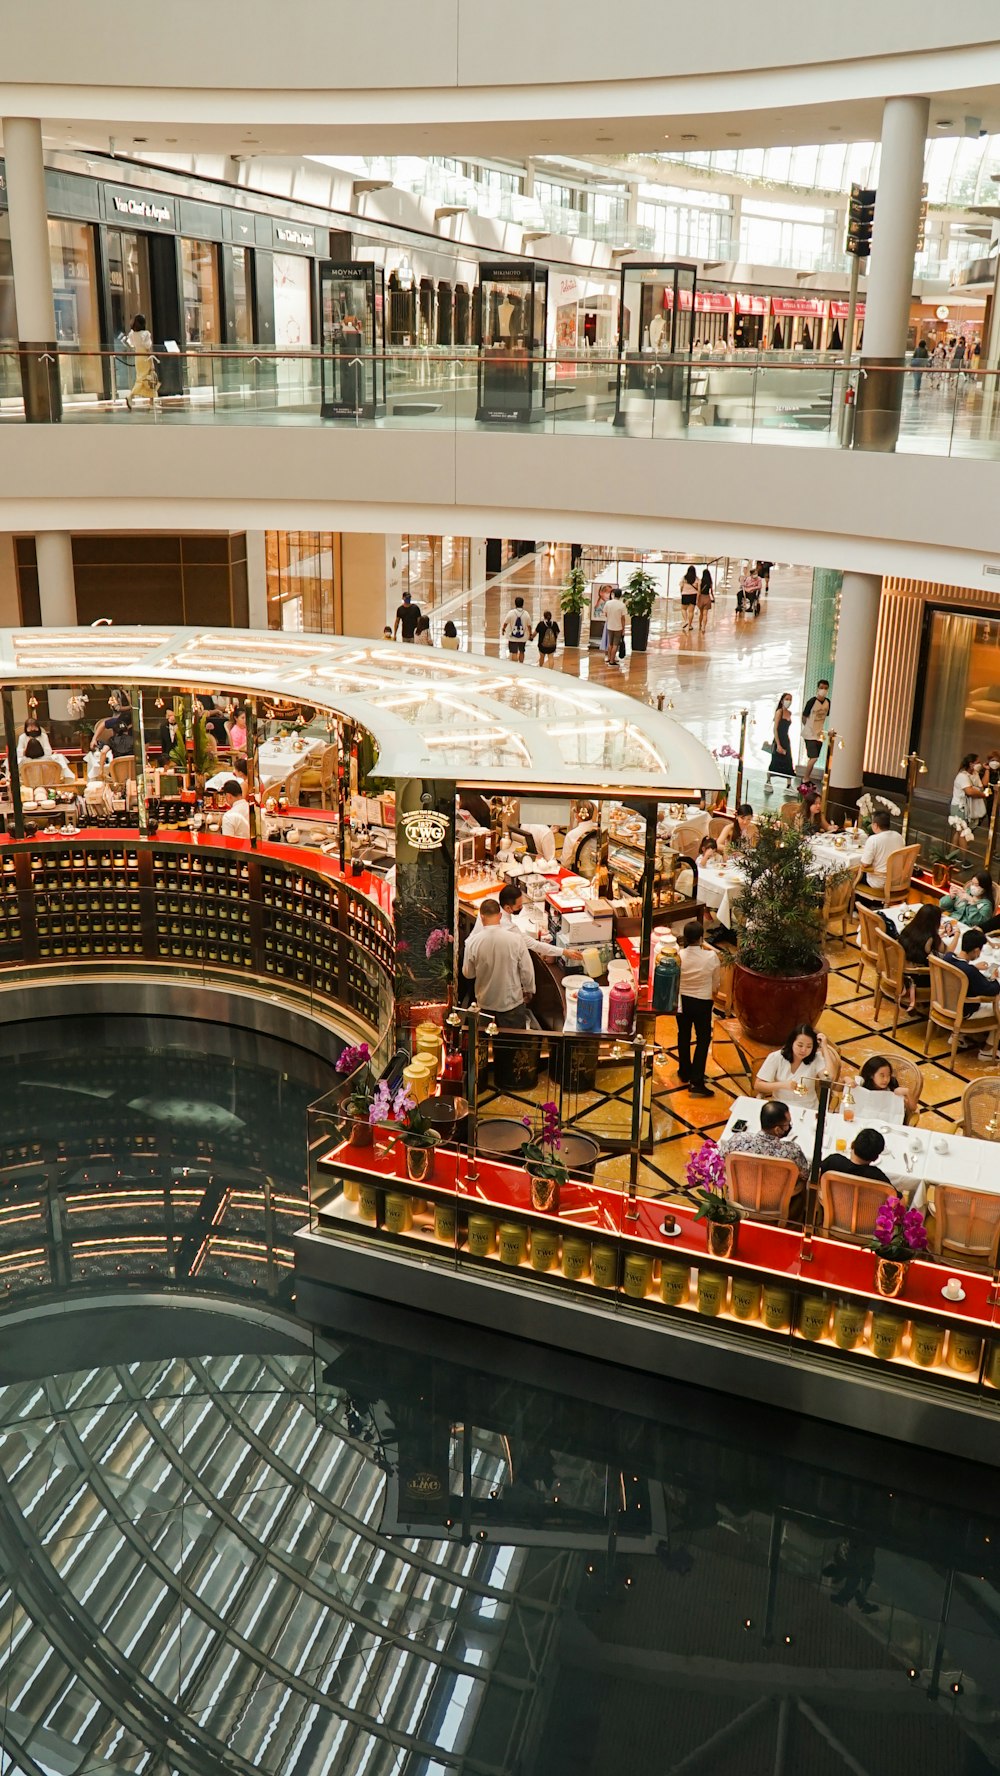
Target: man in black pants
(699,983)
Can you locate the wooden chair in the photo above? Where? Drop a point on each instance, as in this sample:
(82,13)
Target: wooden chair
(908,1075)
(870,928)
(890,967)
(763,1188)
(981,1107)
(687,836)
(293,787)
(123,771)
(43,773)
(328,777)
(849,1205)
(789,813)
(718,824)
(965,1225)
(899,873)
(947,1009)
(838,902)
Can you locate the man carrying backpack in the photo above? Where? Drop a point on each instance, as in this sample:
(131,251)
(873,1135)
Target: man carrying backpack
(516,626)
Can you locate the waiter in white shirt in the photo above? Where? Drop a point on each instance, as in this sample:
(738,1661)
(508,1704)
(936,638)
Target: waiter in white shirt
(878,848)
(236,819)
(511,902)
(497,962)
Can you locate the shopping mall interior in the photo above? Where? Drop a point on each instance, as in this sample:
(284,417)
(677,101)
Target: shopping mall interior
(499,891)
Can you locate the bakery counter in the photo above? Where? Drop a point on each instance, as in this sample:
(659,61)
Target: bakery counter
(201,905)
(783,1316)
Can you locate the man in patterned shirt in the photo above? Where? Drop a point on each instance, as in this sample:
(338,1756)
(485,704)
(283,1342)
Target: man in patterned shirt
(772,1141)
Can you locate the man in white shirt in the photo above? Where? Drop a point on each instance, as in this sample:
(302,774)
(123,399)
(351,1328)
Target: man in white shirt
(236,819)
(699,983)
(879,847)
(614,617)
(497,961)
(516,626)
(511,902)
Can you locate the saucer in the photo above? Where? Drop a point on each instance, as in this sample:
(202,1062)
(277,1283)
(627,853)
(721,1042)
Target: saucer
(959,1297)
(675,1233)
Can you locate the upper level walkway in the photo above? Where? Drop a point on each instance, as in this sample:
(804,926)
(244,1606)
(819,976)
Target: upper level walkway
(773,398)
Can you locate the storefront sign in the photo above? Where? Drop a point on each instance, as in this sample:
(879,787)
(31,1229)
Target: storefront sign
(750,305)
(295,237)
(141,209)
(425,830)
(713,302)
(839,310)
(798,305)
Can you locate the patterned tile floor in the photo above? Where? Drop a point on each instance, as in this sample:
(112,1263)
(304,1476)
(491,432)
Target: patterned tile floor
(681,1122)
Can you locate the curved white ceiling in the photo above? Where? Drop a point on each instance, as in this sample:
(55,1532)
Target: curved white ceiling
(460,717)
(459,76)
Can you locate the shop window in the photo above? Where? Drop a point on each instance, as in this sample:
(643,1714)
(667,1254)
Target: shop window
(74,296)
(202,324)
(301,580)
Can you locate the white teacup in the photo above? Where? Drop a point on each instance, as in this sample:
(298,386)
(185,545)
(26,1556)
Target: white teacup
(953,1289)
(940,1145)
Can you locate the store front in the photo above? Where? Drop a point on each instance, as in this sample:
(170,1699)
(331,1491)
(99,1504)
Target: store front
(798,323)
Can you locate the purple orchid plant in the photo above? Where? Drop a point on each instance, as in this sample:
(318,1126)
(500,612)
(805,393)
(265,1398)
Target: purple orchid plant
(354,1062)
(900,1233)
(400,1112)
(706,1177)
(541,1150)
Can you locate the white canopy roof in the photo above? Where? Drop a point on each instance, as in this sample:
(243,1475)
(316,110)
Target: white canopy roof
(433,714)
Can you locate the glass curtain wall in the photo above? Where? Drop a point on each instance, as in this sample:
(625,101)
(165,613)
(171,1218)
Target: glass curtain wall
(202,312)
(302,575)
(74,294)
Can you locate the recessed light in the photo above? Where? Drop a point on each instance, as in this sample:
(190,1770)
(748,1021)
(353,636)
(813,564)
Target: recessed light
(689,138)
(834,128)
(734,135)
(944,123)
(171,138)
(140,138)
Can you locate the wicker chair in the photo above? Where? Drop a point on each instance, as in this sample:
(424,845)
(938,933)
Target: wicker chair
(980,1108)
(688,834)
(849,1204)
(43,773)
(890,967)
(899,873)
(123,771)
(718,824)
(908,1075)
(838,903)
(949,992)
(763,1188)
(965,1225)
(870,928)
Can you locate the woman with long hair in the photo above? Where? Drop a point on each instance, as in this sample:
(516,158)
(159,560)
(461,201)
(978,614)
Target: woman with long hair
(780,748)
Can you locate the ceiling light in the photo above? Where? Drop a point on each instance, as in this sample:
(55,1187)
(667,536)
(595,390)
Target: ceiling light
(734,135)
(140,138)
(689,138)
(834,128)
(944,123)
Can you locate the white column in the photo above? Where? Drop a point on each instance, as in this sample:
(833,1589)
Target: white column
(257,578)
(29,230)
(56,584)
(854,658)
(894,235)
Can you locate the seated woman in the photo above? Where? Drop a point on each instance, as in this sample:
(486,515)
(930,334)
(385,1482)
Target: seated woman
(683,882)
(879,1092)
(813,818)
(974,903)
(33,744)
(921,939)
(742,829)
(791,1072)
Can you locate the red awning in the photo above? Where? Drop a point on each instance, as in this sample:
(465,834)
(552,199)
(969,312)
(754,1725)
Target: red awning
(750,305)
(798,305)
(839,310)
(713,301)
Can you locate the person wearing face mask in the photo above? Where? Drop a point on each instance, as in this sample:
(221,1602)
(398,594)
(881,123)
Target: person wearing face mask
(974,904)
(990,773)
(781,742)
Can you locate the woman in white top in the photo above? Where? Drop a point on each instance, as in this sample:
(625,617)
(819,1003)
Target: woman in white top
(967,800)
(97,761)
(450,637)
(33,744)
(422,633)
(791,1072)
(140,341)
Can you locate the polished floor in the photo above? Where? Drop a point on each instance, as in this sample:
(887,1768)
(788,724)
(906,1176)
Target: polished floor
(247,1534)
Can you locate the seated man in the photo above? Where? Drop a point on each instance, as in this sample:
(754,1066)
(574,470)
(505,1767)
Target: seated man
(878,848)
(982,992)
(772,1140)
(868,1146)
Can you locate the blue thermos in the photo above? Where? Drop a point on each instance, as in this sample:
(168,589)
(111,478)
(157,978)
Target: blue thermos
(589,1009)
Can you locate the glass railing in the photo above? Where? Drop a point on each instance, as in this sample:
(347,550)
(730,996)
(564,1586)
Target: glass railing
(741,397)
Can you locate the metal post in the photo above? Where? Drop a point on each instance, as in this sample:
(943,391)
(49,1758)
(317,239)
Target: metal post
(823,1090)
(913,764)
(744,717)
(635,1133)
(831,740)
(472,1094)
(10,735)
(852,303)
(991,836)
(139,753)
(253,774)
(648,887)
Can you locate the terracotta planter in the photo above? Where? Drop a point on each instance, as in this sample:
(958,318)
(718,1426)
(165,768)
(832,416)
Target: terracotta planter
(769,1006)
(890,1276)
(721,1238)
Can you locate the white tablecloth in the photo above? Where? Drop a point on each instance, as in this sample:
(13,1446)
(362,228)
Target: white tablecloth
(836,856)
(719,886)
(277,758)
(914,1158)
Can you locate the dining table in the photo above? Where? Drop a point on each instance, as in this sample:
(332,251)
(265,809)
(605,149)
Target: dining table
(277,758)
(721,881)
(914,1159)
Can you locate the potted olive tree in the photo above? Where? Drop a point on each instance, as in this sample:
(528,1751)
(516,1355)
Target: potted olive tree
(639,596)
(780,976)
(573,602)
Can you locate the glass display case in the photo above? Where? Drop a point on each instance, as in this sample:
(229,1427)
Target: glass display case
(655,337)
(352,306)
(512,320)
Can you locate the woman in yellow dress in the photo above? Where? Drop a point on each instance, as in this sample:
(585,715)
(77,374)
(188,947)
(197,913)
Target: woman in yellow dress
(140,341)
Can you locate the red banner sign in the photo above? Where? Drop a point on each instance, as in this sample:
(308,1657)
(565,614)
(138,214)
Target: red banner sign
(798,305)
(839,310)
(750,305)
